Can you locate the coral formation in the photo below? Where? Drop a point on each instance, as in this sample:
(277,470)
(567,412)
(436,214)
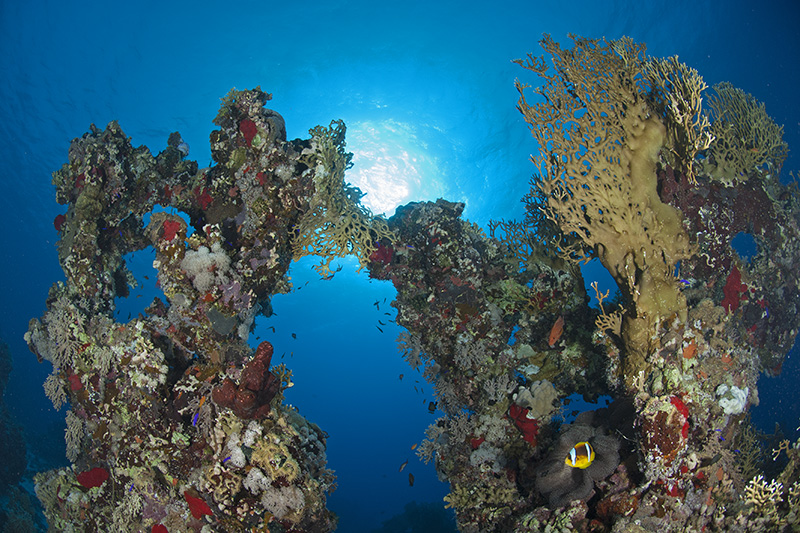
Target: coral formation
(622,177)
(746,139)
(176,423)
(159,404)
(600,142)
(336,223)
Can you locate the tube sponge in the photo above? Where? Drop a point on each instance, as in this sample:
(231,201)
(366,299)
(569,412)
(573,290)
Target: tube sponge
(560,483)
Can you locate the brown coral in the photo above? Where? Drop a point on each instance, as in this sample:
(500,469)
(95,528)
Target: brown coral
(257,387)
(600,141)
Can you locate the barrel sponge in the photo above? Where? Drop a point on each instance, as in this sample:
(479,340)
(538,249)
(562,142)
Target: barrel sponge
(560,483)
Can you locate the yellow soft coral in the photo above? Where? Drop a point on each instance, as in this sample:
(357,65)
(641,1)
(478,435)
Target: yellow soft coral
(600,141)
(336,223)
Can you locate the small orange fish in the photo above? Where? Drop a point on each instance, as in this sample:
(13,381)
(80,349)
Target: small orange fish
(556,331)
(414,446)
(402,466)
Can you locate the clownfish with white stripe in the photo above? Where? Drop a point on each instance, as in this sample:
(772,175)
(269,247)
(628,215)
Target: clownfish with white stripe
(580,456)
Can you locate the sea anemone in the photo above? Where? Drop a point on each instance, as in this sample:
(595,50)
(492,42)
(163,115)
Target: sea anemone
(561,483)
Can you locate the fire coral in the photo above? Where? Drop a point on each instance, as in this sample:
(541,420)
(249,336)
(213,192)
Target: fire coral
(598,134)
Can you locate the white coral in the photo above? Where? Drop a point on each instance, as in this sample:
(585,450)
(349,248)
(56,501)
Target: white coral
(732,399)
(207,268)
(282,501)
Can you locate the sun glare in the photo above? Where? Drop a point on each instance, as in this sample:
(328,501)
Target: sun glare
(389,165)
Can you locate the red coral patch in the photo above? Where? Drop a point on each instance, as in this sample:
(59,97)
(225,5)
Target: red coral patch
(203,197)
(171,228)
(197,506)
(248,129)
(75,382)
(528,426)
(58,222)
(93,478)
(733,290)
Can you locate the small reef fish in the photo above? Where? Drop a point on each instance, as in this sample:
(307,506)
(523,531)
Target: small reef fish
(197,414)
(402,466)
(580,456)
(410,480)
(556,331)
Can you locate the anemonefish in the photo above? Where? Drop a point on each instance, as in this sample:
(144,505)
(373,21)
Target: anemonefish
(580,456)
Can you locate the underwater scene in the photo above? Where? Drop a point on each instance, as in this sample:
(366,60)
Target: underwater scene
(400,267)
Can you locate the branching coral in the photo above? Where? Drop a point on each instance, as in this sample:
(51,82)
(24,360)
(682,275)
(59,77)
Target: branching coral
(600,141)
(680,91)
(747,139)
(336,224)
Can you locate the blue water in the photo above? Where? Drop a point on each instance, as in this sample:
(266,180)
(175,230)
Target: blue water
(426,89)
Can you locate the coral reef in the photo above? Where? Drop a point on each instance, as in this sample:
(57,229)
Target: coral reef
(500,325)
(601,142)
(174,421)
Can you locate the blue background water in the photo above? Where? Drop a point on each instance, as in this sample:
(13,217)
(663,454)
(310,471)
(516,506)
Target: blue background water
(426,89)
